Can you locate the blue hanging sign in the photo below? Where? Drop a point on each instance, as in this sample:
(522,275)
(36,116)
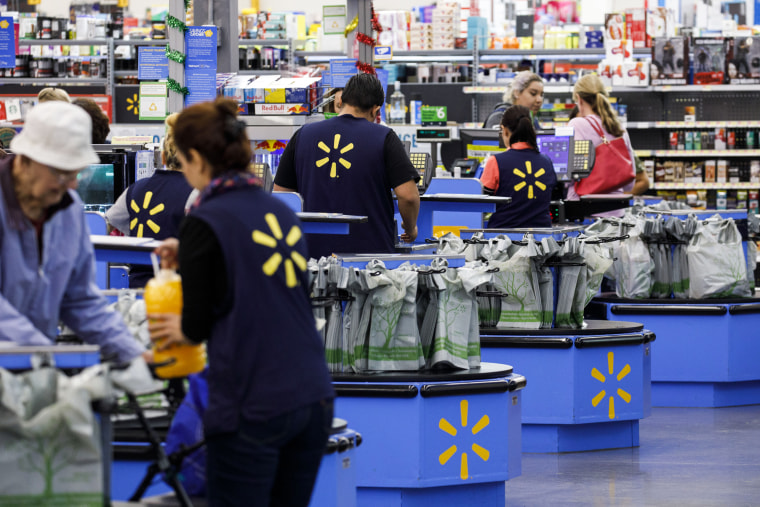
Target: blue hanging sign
(7,44)
(152,63)
(200,64)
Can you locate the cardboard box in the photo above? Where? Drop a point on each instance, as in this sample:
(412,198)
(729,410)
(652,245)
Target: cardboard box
(636,27)
(619,51)
(743,65)
(711,55)
(614,27)
(721,172)
(670,61)
(709,171)
(635,74)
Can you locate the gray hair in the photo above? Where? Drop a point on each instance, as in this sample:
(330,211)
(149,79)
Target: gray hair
(521,81)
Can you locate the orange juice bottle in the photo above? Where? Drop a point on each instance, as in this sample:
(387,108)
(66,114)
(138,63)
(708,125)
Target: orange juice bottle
(163,294)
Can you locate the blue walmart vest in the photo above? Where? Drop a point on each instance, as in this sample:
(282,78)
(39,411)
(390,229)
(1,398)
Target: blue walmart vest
(340,167)
(156,207)
(528,178)
(266,357)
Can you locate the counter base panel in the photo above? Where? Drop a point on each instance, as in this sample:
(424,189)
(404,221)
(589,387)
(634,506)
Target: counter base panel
(579,437)
(705,394)
(488,494)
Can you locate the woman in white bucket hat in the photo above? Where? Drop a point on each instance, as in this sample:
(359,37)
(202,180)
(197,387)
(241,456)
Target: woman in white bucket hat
(46,257)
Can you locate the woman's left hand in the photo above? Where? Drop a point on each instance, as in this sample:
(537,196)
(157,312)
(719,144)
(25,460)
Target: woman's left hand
(166,330)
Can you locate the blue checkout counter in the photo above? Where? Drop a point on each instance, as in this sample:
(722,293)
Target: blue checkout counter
(133,250)
(434,437)
(589,387)
(707,354)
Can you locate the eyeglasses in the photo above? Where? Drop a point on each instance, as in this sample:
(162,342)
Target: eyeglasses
(63,177)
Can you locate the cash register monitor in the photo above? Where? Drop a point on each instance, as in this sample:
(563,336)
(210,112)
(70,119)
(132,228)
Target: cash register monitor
(100,184)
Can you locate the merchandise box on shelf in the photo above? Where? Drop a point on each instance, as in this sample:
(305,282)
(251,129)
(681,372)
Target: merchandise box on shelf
(670,61)
(743,64)
(711,57)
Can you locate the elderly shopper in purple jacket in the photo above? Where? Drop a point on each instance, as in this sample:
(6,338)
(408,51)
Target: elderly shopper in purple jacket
(47,272)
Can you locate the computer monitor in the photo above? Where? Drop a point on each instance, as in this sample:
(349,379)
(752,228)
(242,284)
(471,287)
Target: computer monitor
(558,149)
(480,143)
(100,184)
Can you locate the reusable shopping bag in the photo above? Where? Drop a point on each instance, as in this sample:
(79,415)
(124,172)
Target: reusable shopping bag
(457,332)
(717,267)
(613,167)
(518,278)
(571,295)
(549,248)
(681,232)
(633,266)
(50,443)
(653,233)
(598,261)
(394,340)
(356,317)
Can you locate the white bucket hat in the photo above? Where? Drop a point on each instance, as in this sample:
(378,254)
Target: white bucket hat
(57,134)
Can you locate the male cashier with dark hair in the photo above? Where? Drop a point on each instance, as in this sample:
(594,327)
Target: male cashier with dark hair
(349,164)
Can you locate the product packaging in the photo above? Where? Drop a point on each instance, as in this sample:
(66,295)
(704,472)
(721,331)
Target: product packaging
(711,55)
(670,61)
(744,62)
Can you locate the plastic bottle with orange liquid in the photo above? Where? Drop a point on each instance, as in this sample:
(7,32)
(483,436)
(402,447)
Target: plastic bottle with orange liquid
(163,294)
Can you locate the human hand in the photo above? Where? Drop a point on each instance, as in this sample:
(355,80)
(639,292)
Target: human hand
(409,235)
(168,250)
(166,330)
(148,357)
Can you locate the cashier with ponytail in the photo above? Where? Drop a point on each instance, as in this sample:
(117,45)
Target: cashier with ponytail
(521,173)
(242,256)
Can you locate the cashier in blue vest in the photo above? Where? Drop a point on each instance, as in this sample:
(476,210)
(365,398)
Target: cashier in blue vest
(521,173)
(349,164)
(47,270)
(154,207)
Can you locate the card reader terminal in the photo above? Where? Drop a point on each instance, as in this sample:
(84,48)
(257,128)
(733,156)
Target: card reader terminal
(424,165)
(572,159)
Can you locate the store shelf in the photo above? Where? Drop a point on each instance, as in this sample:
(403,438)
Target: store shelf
(263,42)
(140,42)
(54,80)
(62,42)
(319,56)
(452,55)
(500,88)
(495,55)
(691,125)
(262,72)
(706,88)
(697,153)
(706,186)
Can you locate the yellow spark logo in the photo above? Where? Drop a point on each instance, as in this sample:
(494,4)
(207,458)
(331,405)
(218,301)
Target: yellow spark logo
(272,264)
(151,212)
(133,104)
(4,24)
(333,167)
(447,427)
(522,184)
(601,378)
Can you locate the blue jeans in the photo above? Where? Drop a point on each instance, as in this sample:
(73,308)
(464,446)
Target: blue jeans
(270,463)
